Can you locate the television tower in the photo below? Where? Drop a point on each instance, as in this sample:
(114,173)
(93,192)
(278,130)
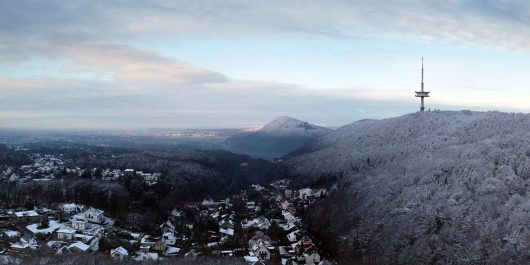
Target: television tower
(422,94)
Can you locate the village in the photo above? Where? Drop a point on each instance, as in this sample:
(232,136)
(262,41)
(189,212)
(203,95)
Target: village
(261,224)
(48,167)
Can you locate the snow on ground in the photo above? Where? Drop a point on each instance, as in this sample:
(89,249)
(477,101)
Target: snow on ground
(52,227)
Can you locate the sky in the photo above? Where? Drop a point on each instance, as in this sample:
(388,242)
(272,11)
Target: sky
(104,64)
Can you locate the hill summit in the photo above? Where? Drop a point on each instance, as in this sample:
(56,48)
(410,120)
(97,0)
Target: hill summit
(287,126)
(277,138)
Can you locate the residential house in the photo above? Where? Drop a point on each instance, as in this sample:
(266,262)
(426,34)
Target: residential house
(146,256)
(28,216)
(226,227)
(70,208)
(94,215)
(119,253)
(261,251)
(259,238)
(78,247)
(80,225)
(305,244)
(65,234)
(168,226)
(169,238)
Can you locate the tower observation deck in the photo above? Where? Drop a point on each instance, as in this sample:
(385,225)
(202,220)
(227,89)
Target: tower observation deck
(422,94)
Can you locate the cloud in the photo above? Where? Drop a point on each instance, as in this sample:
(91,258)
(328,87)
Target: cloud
(139,67)
(73,103)
(503,23)
(147,89)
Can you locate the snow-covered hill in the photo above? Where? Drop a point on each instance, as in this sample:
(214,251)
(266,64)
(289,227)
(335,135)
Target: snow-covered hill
(277,138)
(288,127)
(424,188)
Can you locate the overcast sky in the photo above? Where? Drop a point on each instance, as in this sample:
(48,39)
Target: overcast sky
(199,64)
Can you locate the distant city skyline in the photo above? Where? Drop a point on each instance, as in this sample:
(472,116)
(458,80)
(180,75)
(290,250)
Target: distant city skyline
(235,64)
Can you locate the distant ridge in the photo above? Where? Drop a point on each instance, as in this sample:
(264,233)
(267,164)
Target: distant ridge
(277,138)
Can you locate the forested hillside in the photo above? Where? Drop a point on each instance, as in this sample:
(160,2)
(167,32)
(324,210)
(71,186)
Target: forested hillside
(424,188)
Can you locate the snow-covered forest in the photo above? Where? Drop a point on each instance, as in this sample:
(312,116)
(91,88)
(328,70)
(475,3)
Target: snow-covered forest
(424,188)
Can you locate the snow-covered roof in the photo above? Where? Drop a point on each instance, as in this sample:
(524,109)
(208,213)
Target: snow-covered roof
(26,214)
(69,206)
(94,211)
(66,231)
(120,250)
(228,231)
(84,238)
(172,251)
(22,244)
(79,245)
(11,233)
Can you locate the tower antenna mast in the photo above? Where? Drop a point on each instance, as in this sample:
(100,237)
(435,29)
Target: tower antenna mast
(422,94)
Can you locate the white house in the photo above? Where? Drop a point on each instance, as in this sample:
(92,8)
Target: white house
(169,238)
(65,234)
(119,253)
(94,215)
(79,225)
(261,251)
(70,208)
